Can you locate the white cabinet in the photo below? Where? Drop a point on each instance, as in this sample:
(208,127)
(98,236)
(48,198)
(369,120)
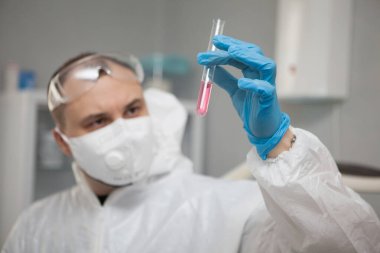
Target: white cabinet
(18,126)
(32,167)
(313,48)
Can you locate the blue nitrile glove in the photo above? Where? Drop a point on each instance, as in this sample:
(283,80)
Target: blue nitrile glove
(254,96)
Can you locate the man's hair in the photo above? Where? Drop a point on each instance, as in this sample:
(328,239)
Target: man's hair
(58,113)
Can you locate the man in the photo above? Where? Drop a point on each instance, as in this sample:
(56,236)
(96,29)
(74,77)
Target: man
(137,193)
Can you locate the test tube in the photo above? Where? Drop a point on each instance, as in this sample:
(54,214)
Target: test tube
(208,72)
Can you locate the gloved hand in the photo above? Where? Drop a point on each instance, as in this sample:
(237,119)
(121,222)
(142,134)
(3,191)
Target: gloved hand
(254,96)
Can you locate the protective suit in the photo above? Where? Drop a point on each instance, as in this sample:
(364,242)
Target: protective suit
(297,204)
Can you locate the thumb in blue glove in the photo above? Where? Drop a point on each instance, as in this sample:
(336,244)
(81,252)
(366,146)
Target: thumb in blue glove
(254,96)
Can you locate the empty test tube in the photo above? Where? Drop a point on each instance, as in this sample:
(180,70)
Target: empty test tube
(208,72)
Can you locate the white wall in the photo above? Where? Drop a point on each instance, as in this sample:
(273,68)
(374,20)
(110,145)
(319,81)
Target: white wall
(360,117)
(41,34)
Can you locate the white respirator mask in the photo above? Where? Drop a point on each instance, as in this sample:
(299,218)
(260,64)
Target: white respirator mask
(118,154)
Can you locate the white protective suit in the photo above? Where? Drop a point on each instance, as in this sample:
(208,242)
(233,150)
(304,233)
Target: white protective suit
(298,204)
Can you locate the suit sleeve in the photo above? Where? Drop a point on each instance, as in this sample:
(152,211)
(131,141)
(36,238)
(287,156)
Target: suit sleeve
(310,209)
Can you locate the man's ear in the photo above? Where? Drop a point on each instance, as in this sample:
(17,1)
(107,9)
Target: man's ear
(63,146)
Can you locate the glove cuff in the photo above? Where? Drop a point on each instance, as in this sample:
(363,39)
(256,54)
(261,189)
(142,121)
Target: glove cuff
(265,145)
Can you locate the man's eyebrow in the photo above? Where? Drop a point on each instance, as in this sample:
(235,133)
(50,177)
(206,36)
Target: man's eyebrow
(134,101)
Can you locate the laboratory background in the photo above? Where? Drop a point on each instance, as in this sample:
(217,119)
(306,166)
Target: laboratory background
(328,53)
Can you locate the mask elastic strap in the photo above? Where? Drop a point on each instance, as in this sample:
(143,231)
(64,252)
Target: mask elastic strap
(63,136)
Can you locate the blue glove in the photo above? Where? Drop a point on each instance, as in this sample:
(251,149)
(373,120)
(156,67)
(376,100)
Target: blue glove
(254,96)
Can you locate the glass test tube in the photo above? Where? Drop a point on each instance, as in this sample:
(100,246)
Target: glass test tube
(208,72)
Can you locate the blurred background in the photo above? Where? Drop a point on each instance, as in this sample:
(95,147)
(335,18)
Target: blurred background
(37,36)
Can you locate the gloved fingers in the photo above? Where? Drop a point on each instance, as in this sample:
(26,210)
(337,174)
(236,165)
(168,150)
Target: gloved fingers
(253,60)
(225,80)
(224,42)
(251,73)
(261,88)
(212,58)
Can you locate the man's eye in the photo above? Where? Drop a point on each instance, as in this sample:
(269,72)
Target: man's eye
(95,124)
(98,122)
(132,111)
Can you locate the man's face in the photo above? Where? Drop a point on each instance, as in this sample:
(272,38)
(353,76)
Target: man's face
(108,100)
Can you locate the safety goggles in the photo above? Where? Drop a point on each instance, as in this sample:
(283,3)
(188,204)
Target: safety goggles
(80,76)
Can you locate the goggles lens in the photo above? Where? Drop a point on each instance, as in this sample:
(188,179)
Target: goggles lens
(83,74)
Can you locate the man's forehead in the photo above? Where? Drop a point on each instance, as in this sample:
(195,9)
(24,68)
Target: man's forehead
(107,94)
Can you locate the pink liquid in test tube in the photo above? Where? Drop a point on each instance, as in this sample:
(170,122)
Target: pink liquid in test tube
(208,72)
(204,97)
